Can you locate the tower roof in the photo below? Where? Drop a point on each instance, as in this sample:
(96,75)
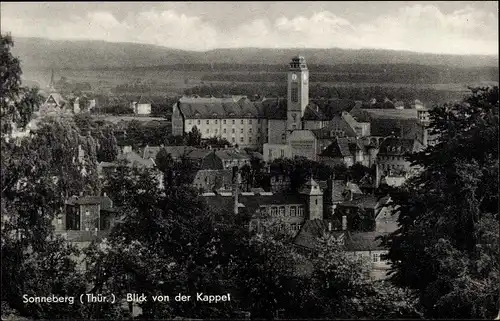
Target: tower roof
(311,187)
(298,62)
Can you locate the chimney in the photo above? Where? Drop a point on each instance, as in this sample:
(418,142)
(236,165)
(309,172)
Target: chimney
(329,226)
(344,223)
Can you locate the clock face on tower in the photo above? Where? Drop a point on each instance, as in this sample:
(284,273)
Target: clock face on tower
(294,77)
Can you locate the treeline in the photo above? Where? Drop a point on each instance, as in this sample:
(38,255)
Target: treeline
(161,106)
(410,76)
(413,71)
(317,91)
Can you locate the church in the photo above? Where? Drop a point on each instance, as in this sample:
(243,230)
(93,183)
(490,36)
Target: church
(264,123)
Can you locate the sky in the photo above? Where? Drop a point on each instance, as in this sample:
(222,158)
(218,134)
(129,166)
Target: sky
(449,27)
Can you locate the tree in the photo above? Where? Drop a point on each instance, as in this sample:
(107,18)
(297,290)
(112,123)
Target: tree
(447,243)
(38,174)
(194,137)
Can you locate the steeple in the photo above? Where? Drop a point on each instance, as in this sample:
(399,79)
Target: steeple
(52,82)
(298,92)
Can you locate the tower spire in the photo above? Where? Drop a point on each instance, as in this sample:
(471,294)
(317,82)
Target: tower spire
(52,82)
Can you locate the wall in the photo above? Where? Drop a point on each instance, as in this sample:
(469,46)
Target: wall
(304,143)
(276,131)
(143,109)
(392,162)
(247,132)
(90,221)
(378,269)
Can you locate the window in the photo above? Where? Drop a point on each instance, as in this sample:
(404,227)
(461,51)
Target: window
(241,130)
(208,130)
(294,126)
(224,121)
(295,95)
(282,211)
(250,130)
(224,130)
(301,211)
(299,226)
(292,211)
(282,152)
(283,136)
(241,139)
(316,202)
(208,121)
(199,122)
(250,121)
(189,122)
(87,213)
(233,131)
(242,121)
(234,122)
(274,211)
(375,258)
(216,131)
(294,226)
(233,140)
(258,121)
(216,121)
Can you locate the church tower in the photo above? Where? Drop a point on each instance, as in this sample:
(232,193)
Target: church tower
(314,197)
(298,92)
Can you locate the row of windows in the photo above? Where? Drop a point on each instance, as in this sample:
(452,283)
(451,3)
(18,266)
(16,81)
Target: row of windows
(294,211)
(294,227)
(233,130)
(224,121)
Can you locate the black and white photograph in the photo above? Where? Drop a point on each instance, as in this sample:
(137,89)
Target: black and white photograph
(249,160)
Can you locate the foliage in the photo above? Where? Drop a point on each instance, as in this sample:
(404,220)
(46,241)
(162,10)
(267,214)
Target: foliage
(194,137)
(447,243)
(38,173)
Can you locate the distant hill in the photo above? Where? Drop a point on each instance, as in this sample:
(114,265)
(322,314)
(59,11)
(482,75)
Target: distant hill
(38,53)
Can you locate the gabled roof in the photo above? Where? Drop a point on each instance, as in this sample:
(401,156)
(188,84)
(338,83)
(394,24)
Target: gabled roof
(144,100)
(224,175)
(314,229)
(365,201)
(363,241)
(212,161)
(57,98)
(342,147)
(404,128)
(326,109)
(135,159)
(311,188)
(230,154)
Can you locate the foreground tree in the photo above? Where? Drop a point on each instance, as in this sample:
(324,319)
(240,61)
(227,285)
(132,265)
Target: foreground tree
(447,246)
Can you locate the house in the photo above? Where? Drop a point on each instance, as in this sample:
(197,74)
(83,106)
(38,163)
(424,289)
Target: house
(363,245)
(347,151)
(393,152)
(141,107)
(131,159)
(86,218)
(210,180)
